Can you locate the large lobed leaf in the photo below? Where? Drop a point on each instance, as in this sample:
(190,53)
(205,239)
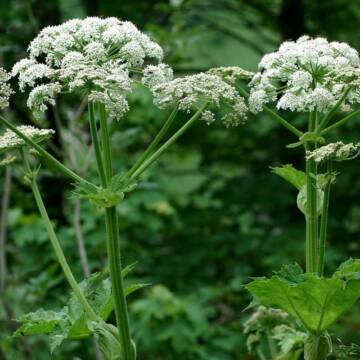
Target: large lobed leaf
(315,301)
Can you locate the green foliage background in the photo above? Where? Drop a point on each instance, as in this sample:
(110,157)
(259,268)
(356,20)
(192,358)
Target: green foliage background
(209,215)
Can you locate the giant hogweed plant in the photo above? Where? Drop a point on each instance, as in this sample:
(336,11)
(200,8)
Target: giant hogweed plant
(102,60)
(320,79)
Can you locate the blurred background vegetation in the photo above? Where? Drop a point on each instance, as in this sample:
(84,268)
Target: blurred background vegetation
(208,216)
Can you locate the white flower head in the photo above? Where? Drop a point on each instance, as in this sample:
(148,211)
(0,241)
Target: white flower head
(208,116)
(192,90)
(337,151)
(9,141)
(42,95)
(5,89)
(92,55)
(157,74)
(307,75)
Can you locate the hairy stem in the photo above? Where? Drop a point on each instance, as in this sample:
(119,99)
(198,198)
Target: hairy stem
(112,239)
(311,204)
(324,223)
(55,242)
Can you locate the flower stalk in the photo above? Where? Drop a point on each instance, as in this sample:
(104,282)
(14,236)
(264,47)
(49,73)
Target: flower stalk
(151,159)
(155,142)
(30,175)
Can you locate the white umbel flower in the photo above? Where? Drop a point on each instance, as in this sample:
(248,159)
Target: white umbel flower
(92,56)
(5,89)
(192,90)
(307,75)
(337,151)
(42,95)
(9,141)
(157,74)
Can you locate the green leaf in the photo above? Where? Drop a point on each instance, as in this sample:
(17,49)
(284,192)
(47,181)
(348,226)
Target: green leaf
(39,322)
(71,321)
(79,328)
(290,272)
(295,177)
(316,302)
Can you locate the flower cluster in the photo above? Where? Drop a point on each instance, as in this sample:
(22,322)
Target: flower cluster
(231,74)
(198,89)
(9,141)
(307,75)
(157,74)
(94,55)
(337,151)
(5,89)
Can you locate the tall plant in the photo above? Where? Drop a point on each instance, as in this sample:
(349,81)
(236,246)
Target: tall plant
(320,79)
(102,60)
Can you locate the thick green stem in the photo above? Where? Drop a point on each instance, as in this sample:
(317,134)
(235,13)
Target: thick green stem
(155,142)
(151,159)
(56,163)
(55,242)
(324,223)
(311,204)
(113,242)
